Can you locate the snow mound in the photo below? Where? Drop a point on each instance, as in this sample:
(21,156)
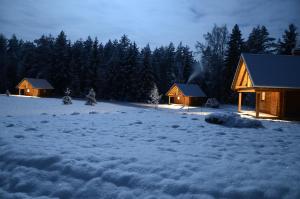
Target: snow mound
(232,120)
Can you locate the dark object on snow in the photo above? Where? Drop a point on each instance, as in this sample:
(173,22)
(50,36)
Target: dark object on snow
(91,98)
(232,120)
(7,93)
(212,103)
(67,99)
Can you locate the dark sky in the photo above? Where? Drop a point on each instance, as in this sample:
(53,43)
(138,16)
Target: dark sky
(146,21)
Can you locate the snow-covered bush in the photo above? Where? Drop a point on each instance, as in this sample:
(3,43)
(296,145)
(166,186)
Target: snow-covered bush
(91,98)
(67,99)
(212,103)
(154,96)
(232,120)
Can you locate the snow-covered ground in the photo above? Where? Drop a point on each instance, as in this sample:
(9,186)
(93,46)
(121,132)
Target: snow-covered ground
(50,150)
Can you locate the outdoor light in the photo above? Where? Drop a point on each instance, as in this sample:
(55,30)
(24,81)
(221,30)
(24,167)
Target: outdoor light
(178,97)
(28,90)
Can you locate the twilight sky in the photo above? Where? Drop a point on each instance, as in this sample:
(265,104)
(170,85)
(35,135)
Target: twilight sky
(146,21)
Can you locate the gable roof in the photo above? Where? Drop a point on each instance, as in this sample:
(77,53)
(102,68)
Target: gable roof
(38,83)
(272,71)
(189,90)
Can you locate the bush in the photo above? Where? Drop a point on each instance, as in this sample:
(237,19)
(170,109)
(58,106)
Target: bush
(232,120)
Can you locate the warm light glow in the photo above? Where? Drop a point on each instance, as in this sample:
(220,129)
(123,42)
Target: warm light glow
(28,90)
(178,97)
(263,96)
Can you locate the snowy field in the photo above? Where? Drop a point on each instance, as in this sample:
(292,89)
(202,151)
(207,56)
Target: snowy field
(50,150)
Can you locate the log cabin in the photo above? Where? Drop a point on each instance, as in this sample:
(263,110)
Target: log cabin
(186,94)
(275,81)
(34,87)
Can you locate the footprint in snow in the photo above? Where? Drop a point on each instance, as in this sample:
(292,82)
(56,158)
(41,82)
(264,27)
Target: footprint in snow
(184,117)
(175,141)
(10,125)
(67,131)
(221,133)
(175,126)
(8,116)
(75,113)
(138,122)
(19,136)
(93,112)
(162,137)
(195,118)
(278,129)
(30,129)
(44,121)
(44,113)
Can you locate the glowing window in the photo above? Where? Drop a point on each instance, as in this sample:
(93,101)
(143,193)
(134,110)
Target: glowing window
(263,96)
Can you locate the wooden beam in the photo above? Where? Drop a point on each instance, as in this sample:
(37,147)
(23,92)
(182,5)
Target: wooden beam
(169,100)
(257,104)
(240,102)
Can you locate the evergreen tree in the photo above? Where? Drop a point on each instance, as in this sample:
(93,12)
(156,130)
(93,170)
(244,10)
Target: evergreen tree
(147,79)
(259,41)
(76,65)
(289,40)
(233,53)
(60,69)
(13,62)
(3,63)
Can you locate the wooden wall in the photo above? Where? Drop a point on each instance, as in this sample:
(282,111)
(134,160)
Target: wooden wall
(271,104)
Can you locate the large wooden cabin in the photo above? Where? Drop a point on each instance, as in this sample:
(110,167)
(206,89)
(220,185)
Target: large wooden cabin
(34,87)
(275,80)
(186,94)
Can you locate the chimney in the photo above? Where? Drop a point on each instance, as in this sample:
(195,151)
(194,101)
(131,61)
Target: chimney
(296,51)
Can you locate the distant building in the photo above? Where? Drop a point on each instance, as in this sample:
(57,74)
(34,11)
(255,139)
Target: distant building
(34,87)
(275,80)
(186,94)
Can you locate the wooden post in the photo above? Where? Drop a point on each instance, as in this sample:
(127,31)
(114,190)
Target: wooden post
(240,102)
(19,92)
(282,104)
(257,104)
(169,100)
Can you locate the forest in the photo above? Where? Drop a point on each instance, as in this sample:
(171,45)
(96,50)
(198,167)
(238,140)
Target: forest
(120,70)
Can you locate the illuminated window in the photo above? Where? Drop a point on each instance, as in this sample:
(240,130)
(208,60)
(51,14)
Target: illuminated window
(263,96)
(28,90)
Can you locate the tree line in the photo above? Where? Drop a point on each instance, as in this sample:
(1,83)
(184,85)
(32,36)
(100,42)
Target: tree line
(120,70)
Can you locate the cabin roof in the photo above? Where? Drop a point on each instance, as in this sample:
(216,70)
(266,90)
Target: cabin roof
(38,83)
(189,90)
(273,71)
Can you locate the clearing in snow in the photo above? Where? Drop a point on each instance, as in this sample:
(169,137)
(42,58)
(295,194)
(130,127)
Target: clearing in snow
(50,150)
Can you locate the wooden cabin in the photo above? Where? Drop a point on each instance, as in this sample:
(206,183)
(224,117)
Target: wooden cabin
(34,87)
(275,80)
(186,94)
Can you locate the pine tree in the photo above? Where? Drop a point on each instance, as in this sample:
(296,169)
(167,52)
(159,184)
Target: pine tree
(147,78)
(67,98)
(154,96)
(91,98)
(60,69)
(13,62)
(289,40)
(3,63)
(233,53)
(259,41)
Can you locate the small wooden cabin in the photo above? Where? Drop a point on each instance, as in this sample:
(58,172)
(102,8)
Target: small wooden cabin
(186,94)
(34,87)
(275,80)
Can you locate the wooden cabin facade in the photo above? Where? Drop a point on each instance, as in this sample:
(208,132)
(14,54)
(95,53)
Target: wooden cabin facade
(186,94)
(275,80)
(34,87)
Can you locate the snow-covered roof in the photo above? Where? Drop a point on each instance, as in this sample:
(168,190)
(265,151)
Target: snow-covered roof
(273,71)
(38,83)
(190,90)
